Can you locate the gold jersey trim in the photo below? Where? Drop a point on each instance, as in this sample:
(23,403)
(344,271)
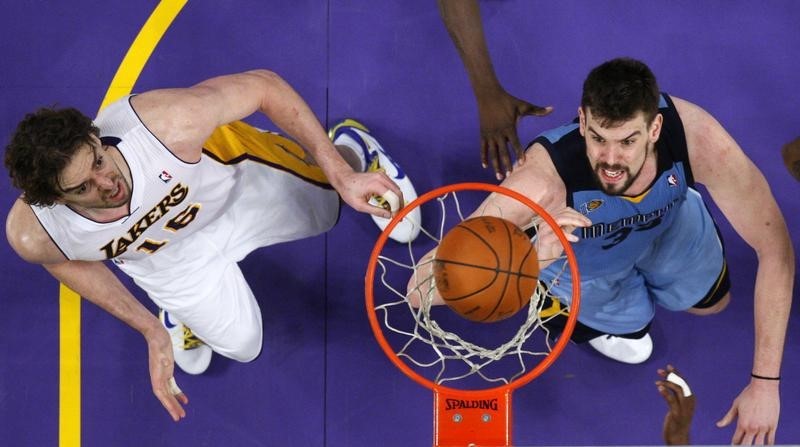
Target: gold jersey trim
(238,141)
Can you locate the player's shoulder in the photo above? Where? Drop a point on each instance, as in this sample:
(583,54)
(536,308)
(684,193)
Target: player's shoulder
(567,134)
(176,118)
(713,153)
(705,136)
(696,120)
(28,238)
(166,102)
(683,106)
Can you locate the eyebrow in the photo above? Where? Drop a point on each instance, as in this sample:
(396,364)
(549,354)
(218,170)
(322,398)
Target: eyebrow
(74,188)
(633,134)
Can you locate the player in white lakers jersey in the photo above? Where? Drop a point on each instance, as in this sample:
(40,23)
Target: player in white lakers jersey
(172,188)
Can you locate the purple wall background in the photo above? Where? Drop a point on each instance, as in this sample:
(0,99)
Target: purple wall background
(322,380)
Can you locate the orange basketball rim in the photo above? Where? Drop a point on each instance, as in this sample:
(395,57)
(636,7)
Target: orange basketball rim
(468,417)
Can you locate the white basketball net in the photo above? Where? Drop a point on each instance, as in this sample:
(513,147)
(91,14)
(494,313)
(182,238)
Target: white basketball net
(440,354)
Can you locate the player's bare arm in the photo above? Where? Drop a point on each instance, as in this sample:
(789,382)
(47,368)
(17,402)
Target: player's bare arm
(184,118)
(498,111)
(539,181)
(27,237)
(743,195)
(95,282)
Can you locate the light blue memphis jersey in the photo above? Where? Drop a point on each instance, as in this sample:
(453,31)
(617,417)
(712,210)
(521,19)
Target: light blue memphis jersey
(623,228)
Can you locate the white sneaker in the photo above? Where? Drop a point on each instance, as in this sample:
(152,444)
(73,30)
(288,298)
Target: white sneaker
(355,135)
(191,354)
(625,350)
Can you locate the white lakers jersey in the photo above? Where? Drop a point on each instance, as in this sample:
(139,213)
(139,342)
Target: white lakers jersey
(172,199)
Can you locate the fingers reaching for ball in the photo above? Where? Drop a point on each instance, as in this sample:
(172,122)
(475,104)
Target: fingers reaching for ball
(547,242)
(569,219)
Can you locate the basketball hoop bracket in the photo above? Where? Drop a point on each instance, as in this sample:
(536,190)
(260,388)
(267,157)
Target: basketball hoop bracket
(472,418)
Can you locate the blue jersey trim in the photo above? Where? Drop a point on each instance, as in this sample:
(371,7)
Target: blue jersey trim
(553,135)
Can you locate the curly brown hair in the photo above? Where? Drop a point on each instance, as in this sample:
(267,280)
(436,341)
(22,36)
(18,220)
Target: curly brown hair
(41,148)
(617,90)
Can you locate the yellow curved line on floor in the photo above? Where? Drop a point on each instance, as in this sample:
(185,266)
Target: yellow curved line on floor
(69,398)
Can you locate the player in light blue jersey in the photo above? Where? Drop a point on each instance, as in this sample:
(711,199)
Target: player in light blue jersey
(619,179)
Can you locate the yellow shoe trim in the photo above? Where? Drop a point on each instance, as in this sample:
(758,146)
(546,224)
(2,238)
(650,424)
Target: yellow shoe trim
(190,341)
(554,309)
(348,123)
(375,165)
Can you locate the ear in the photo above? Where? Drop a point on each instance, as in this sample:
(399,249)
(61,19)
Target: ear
(654,132)
(581,121)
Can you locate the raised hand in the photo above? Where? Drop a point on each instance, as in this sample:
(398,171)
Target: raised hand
(499,114)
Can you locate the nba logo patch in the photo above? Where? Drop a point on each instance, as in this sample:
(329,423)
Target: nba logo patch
(672,180)
(165,176)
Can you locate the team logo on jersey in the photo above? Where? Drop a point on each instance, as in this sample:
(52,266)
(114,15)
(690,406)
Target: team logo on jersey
(672,180)
(165,176)
(591,205)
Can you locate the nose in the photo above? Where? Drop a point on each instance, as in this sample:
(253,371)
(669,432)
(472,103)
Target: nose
(610,155)
(104,182)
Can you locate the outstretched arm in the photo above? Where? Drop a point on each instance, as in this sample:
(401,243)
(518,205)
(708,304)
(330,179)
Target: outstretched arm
(185,118)
(95,282)
(740,190)
(498,111)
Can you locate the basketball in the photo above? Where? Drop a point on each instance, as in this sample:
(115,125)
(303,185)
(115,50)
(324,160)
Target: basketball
(486,269)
